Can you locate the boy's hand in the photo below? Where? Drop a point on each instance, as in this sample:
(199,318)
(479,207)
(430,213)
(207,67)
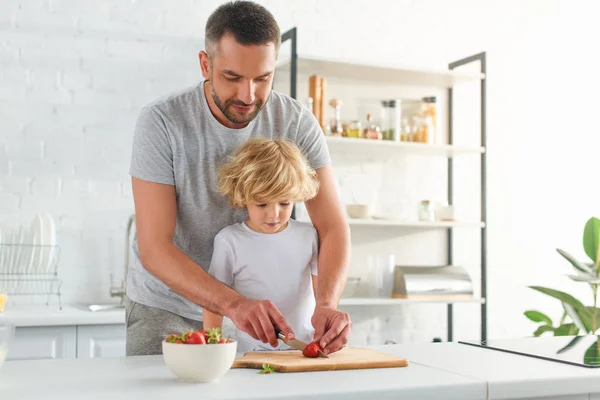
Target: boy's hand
(332,328)
(259,318)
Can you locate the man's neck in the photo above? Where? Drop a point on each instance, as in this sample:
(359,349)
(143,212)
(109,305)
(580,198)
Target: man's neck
(216,112)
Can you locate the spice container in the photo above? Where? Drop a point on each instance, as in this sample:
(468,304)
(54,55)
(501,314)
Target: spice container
(371,131)
(335,126)
(390,120)
(354,129)
(429,117)
(426,211)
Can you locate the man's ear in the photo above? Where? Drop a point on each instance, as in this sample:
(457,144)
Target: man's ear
(204,64)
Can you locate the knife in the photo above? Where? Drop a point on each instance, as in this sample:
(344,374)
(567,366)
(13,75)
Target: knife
(297,344)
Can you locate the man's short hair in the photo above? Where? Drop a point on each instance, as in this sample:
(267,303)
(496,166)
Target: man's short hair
(249,23)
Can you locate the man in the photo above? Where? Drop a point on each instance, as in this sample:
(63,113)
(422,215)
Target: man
(179,142)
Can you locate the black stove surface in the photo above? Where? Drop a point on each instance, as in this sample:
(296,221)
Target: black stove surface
(583,351)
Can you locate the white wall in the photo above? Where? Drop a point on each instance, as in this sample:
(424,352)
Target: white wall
(74,75)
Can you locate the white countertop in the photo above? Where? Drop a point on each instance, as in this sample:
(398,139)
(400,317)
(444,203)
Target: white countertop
(148,378)
(508,376)
(436,371)
(41,315)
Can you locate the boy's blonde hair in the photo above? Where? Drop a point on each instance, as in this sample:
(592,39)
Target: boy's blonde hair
(265,170)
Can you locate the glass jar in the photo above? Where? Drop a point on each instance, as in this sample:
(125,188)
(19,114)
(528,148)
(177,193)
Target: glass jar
(354,129)
(429,115)
(335,126)
(371,130)
(390,120)
(426,211)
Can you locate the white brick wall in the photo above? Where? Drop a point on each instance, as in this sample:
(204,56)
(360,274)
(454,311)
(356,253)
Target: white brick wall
(73,76)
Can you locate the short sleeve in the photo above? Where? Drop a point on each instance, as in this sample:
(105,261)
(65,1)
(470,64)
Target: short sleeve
(311,140)
(222,265)
(315,254)
(152,154)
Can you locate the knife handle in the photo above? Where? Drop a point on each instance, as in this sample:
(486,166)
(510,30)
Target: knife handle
(280,335)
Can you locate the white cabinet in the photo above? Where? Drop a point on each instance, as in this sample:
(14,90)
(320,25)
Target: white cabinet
(48,342)
(71,341)
(100,341)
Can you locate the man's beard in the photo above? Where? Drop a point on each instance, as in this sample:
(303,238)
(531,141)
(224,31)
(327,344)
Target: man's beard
(226,108)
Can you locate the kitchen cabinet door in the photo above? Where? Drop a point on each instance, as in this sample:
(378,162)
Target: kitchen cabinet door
(46,342)
(100,341)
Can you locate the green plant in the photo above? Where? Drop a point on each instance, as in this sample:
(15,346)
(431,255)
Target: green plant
(576,316)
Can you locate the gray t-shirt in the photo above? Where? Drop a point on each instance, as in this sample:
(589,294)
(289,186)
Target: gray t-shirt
(177,141)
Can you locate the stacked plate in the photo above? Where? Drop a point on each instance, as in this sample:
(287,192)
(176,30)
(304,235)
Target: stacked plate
(29,249)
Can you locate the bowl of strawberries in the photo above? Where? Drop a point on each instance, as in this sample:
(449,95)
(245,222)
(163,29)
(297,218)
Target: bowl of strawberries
(199,356)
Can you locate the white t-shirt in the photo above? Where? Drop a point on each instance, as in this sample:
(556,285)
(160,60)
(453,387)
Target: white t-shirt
(276,267)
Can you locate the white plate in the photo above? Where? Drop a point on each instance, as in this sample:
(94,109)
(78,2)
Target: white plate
(49,240)
(37,227)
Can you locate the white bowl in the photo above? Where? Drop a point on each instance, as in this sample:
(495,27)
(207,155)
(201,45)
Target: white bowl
(199,362)
(358,210)
(7,331)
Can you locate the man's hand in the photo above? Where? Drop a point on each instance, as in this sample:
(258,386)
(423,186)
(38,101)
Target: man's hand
(259,318)
(332,328)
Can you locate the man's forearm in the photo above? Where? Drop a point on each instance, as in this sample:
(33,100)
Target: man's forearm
(183,275)
(334,257)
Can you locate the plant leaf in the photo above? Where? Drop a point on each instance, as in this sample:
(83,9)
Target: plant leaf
(578,265)
(537,316)
(562,296)
(566,330)
(591,237)
(543,329)
(587,318)
(588,278)
(572,343)
(574,315)
(592,354)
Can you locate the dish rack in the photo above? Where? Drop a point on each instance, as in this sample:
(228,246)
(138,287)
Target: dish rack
(30,270)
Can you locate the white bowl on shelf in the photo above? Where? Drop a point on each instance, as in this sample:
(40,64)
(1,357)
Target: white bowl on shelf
(359,211)
(199,363)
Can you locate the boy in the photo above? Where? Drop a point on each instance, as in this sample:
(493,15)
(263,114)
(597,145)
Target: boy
(269,256)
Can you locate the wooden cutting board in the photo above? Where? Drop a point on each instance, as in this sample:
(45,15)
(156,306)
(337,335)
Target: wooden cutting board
(294,361)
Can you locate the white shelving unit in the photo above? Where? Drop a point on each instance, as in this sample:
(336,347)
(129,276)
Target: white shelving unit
(414,224)
(398,75)
(381,148)
(372,301)
(358,70)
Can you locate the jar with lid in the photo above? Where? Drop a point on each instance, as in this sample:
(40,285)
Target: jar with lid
(426,211)
(335,126)
(371,130)
(429,118)
(406,131)
(390,120)
(354,129)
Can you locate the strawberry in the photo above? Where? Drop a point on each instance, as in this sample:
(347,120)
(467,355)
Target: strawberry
(174,338)
(192,337)
(312,350)
(213,335)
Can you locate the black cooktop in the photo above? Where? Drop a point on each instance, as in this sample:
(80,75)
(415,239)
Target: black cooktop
(583,351)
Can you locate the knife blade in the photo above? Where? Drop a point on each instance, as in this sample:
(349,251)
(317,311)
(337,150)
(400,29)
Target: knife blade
(297,344)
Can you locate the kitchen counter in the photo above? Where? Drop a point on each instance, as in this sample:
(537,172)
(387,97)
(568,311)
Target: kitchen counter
(41,315)
(435,371)
(148,378)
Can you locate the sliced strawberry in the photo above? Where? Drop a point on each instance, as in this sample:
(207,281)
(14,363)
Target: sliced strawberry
(312,350)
